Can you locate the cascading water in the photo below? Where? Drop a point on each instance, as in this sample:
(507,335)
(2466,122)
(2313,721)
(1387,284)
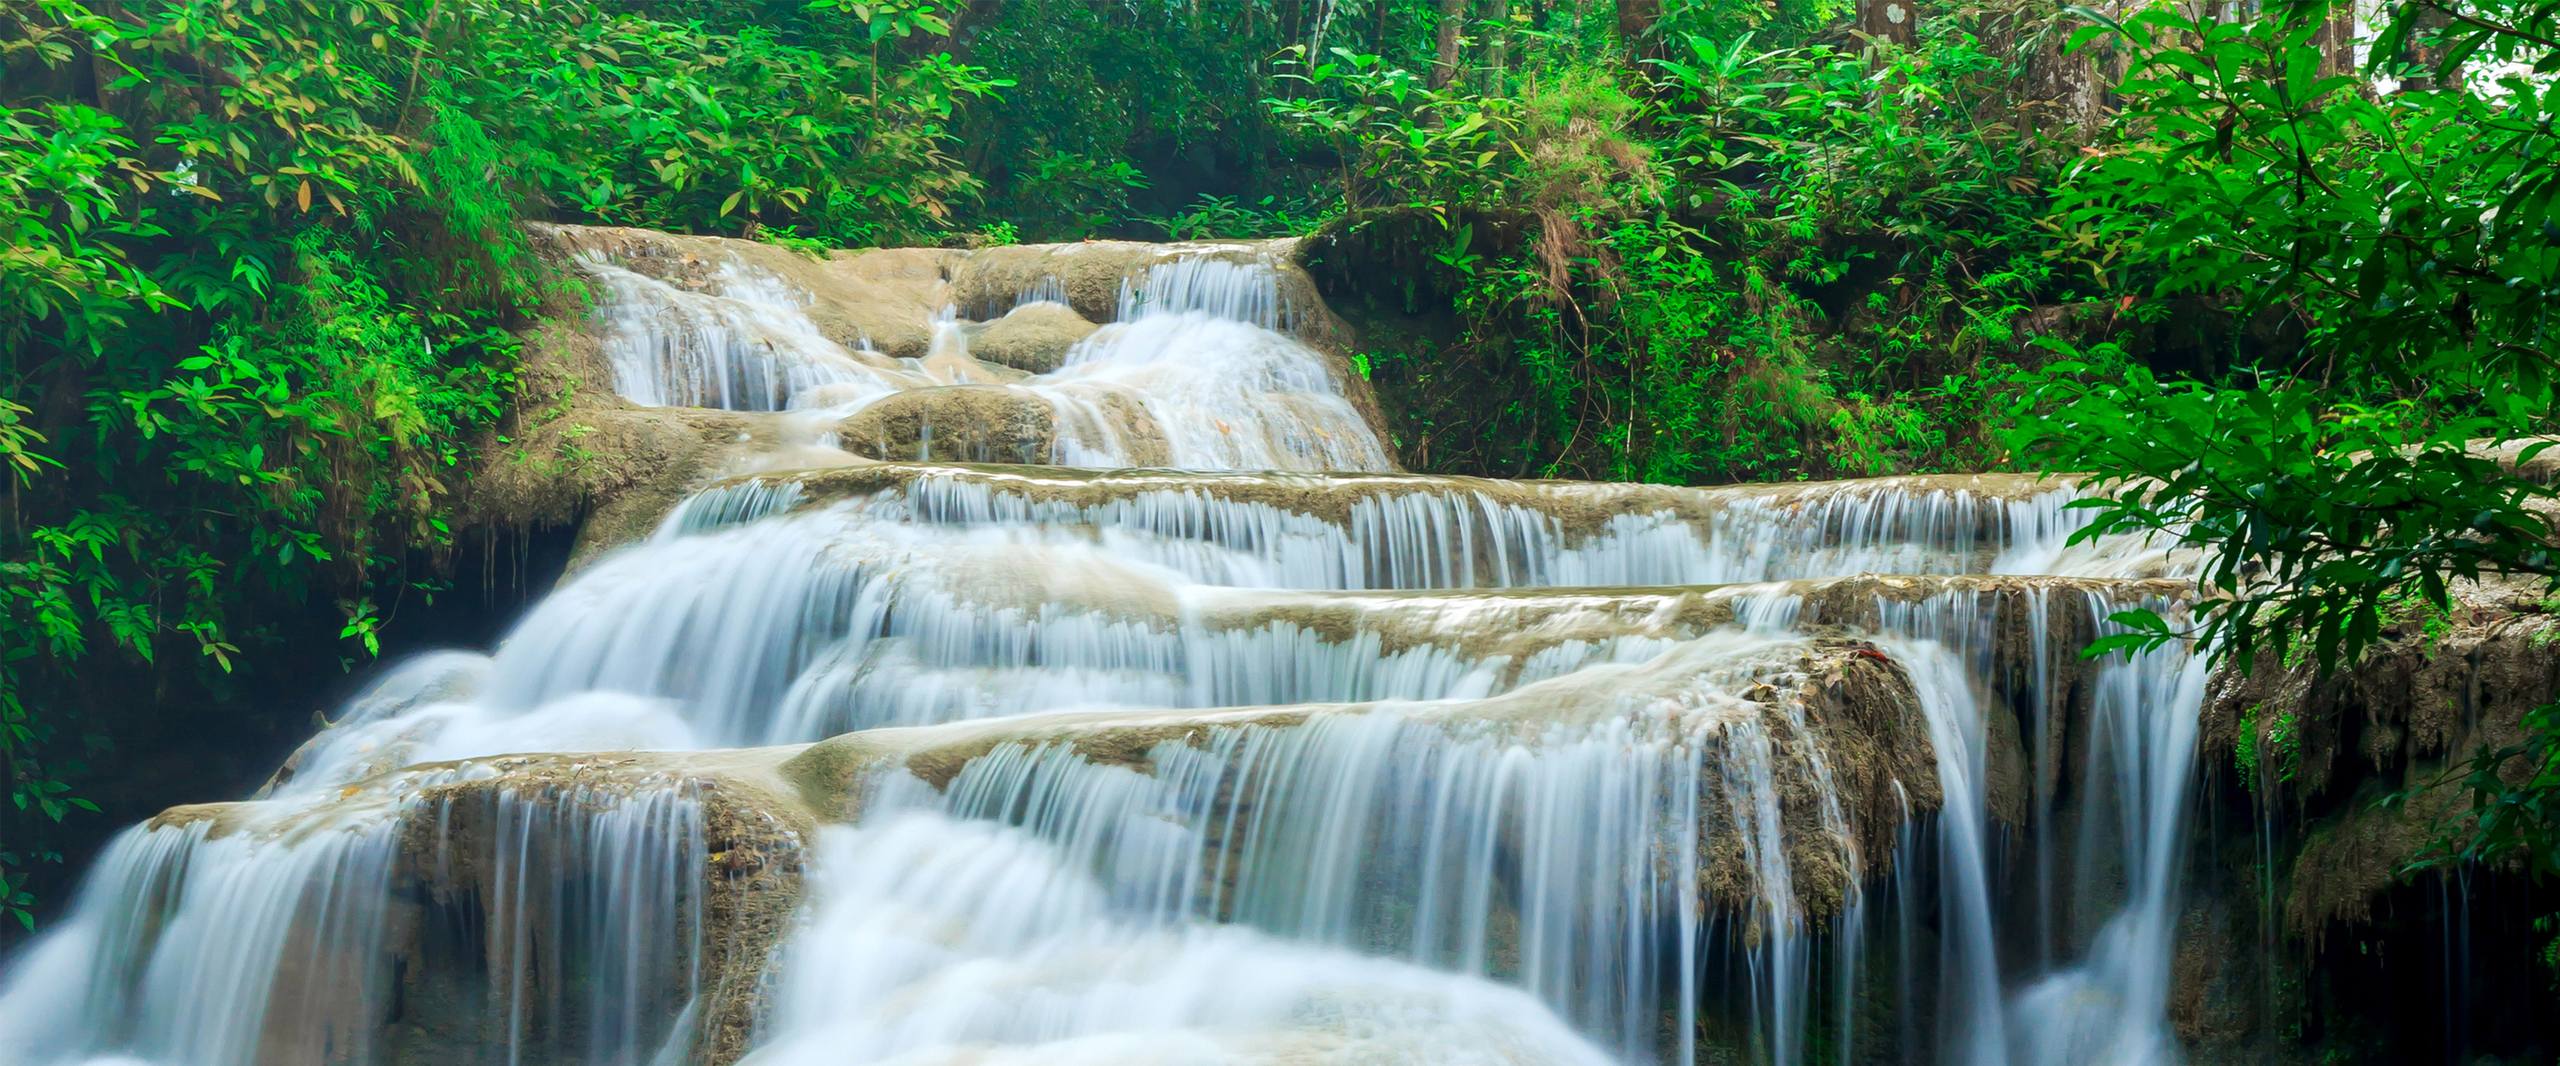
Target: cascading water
(278,931)
(1106,766)
(1201,370)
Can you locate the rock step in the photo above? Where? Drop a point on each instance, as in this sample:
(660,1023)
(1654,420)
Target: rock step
(700,854)
(1417,531)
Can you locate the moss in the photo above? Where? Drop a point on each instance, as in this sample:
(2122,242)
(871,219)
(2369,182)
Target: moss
(2335,747)
(575,454)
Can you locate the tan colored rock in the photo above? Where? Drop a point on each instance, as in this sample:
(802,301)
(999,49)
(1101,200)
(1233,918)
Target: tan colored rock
(1582,508)
(887,297)
(574,453)
(999,423)
(976,422)
(1033,337)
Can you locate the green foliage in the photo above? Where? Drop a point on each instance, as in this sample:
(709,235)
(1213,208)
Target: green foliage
(1728,262)
(2393,251)
(1083,194)
(998,234)
(1111,99)
(2515,803)
(2314,514)
(789,237)
(257,258)
(1214,217)
(2358,465)
(2268,751)
(632,120)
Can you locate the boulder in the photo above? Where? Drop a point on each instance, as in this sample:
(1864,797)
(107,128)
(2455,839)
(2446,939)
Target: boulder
(1033,337)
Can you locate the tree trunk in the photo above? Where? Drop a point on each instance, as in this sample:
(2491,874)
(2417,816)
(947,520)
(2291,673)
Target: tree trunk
(966,20)
(1635,20)
(2426,49)
(2337,43)
(1497,46)
(1444,62)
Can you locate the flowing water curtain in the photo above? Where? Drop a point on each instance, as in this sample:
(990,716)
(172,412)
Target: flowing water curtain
(583,906)
(1535,855)
(1780,962)
(1238,290)
(1206,344)
(1557,946)
(856,619)
(1030,956)
(2139,714)
(2112,1007)
(228,948)
(558,924)
(742,343)
(1407,533)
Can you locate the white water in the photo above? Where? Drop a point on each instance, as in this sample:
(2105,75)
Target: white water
(1200,372)
(1484,840)
(941,939)
(275,934)
(2112,1007)
(1532,826)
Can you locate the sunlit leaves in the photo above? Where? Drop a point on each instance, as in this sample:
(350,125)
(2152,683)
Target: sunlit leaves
(71,184)
(882,19)
(2387,236)
(1409,145)
(2351,467)
(228,409)
(18,444)
(668,124)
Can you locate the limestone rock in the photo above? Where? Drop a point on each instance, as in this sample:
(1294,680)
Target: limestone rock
(1033,337)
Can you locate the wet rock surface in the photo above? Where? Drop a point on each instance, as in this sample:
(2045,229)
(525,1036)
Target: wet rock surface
(1033,337)
(908,698)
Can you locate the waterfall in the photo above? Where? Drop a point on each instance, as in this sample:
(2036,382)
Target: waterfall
(1201,371)
(1270,753)
(1414,832)
(2112,1008)
(744,345)
(1037,965)
(280,931)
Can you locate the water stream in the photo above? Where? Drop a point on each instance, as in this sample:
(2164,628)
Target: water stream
(1268,754)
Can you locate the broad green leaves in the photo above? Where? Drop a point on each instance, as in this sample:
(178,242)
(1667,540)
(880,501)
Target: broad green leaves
(1404,144)
(1730,261)
(2385,237)
(645,122)
(2312,515)
(249,276)
(2353,461)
